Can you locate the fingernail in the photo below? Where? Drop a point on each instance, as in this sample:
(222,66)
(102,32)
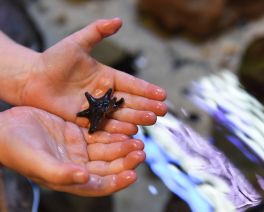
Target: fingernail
(161,108)
(150,116)
(130,176)
(140,155)
(160,92)
(107,26)
(138,144)
(79,177)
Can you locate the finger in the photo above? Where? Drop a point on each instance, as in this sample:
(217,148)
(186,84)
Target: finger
(130,84)
(111,126)
(75,145)
(109,152)
(101,186)
(142,103)
(95,32)
(135,116)
(103,137)
(54,172)
(102,168)
(44,166)
(119,127)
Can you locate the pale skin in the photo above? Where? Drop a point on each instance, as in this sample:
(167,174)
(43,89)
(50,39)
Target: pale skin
(55,81)
(62,156)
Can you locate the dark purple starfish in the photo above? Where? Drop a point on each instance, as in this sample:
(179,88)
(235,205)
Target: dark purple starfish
(99,108)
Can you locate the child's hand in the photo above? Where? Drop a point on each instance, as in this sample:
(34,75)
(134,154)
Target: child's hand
(63,73)
(63,156)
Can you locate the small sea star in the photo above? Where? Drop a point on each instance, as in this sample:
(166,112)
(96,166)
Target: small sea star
(99,108)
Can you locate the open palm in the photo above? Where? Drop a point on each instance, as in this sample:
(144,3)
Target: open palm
(63,156)
(64,72)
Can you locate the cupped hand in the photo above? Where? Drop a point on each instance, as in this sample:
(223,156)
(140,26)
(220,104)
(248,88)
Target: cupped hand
(63,156)
(63,73)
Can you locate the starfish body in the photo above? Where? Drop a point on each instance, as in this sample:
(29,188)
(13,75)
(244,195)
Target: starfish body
(99,108)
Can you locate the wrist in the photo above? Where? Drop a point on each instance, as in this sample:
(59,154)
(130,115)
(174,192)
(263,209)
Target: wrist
(3,127)
(16,65)
(8,121)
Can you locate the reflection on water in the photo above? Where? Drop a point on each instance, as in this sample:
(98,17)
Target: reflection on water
(239,123)
(225,173)
(242,121)
(224,98)
(153,190)
(195,170)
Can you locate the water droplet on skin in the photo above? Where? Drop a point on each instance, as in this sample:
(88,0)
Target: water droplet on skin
(61,150)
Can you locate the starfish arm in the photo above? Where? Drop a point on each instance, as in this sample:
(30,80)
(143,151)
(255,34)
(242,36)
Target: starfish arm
(94,122)
(108,94)
(83,113)
(119,103)
(100,108)
(90,98)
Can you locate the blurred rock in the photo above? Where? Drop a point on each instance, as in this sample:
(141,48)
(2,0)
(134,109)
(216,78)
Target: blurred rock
(251,70)
(61,19)
(111,54)
(76,1)
(176,204)
(195,16)
(52,201)
(200,17)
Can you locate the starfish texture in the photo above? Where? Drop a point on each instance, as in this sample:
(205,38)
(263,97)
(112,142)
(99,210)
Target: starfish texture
(99,108)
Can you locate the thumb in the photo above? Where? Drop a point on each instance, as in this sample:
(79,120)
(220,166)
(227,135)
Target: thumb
(60,173)
(89,36)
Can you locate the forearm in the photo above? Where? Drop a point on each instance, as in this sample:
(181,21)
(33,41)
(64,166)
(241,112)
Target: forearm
(4,126)
(16,63)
